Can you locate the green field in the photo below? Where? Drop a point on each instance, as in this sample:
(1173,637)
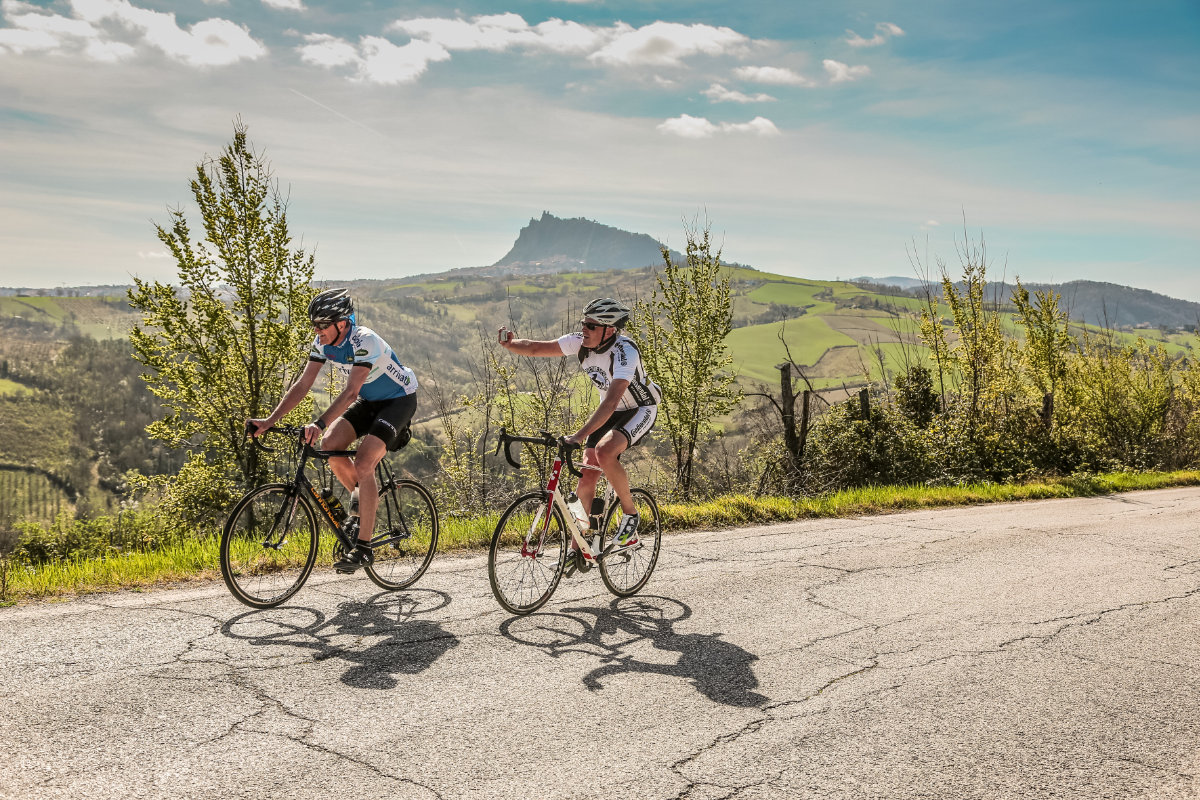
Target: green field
(757,349)
(789,294)
(12,388)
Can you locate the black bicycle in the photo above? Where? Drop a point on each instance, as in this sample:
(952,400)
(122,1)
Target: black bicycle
(270,542)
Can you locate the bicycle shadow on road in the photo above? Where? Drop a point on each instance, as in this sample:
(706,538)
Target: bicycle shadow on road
(381,638)
(720,670)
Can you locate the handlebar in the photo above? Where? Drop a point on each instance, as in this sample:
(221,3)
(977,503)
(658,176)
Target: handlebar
(287,430)
(506,440)
(296,432)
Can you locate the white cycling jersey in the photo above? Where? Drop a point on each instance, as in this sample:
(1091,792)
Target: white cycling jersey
(388,378)
(618,360)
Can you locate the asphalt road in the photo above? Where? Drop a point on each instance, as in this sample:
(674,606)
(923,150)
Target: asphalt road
(1036,650)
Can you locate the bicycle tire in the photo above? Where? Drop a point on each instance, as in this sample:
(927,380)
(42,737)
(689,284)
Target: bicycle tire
(625,572)
(522,583)
(406,510)
(260,574)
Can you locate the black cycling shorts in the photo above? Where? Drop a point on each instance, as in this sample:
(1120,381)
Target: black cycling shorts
(632,423)
(385,419)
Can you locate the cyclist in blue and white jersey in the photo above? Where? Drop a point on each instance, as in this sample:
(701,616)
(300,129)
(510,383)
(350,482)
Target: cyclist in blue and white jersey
(628,406)
(378,403)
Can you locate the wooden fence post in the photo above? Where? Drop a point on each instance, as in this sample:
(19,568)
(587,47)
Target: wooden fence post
(803,427)
(790,440)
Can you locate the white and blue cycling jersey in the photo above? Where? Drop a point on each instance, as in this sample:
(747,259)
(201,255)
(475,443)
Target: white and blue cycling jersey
(388,378)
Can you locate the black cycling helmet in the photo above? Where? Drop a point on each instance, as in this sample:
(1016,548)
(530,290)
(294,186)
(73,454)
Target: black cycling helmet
(330,306)
(607,311)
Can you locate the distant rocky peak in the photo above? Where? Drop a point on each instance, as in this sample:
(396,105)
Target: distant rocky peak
(552,244)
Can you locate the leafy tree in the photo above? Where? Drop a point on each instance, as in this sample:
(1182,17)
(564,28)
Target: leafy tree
(224,344)
(915,397)
(681,334)
(1047,344)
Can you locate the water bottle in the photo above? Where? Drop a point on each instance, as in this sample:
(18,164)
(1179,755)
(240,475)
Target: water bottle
(597,512)
(577,511)
(335,505)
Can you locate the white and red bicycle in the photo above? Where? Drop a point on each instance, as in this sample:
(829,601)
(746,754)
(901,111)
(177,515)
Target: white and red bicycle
(538,539)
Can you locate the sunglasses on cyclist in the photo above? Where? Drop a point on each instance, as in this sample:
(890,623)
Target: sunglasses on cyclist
(320,326)
(591,326)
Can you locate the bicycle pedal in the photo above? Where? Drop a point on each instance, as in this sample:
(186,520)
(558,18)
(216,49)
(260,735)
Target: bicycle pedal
(615,549)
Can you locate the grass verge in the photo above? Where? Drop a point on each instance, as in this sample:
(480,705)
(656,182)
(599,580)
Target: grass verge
(196,560)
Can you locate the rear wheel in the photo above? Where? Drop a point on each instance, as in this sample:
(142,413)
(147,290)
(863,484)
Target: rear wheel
(626,570)
(528,553)
(406,525)
(268,546)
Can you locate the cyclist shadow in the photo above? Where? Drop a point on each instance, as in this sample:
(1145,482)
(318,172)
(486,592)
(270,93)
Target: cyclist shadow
(720,670)
(400,643)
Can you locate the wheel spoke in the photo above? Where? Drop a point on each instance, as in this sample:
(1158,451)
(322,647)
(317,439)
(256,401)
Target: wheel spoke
(268,546)
(626,570)
(406,525)
(527,554)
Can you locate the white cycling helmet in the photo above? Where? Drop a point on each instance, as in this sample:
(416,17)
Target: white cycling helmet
(608,312)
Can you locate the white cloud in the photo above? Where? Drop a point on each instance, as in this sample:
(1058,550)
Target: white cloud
(841,73)
(109,52)
(211,42)
(656,44)
(501,32)
(284,5)
(666,44)
(15,40)
(659,44)
(36,31)
(494,32)
(566,37)
(328,51)
(719,94)
(375,59)
(776,76)
(884,31)
(689,127)
(759,126)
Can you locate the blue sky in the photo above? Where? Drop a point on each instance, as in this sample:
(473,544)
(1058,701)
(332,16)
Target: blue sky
(820,139)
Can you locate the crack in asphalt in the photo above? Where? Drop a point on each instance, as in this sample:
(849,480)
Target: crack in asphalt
(1091,617)
(241,678)
(678,767)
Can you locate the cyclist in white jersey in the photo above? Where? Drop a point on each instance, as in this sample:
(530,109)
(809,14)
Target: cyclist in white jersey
(628,407)
(378,403)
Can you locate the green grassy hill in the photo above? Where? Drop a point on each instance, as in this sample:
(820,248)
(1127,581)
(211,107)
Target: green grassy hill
(842,333)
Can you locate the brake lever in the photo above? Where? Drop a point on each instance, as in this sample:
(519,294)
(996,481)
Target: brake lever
(565,449)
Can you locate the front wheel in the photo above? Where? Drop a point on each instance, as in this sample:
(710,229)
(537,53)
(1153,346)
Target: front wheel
(528,553)
(268,546)
(626,570)
(406,535)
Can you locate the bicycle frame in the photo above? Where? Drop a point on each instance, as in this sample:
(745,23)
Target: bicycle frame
(555,499)
(383,476)
(530,553)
